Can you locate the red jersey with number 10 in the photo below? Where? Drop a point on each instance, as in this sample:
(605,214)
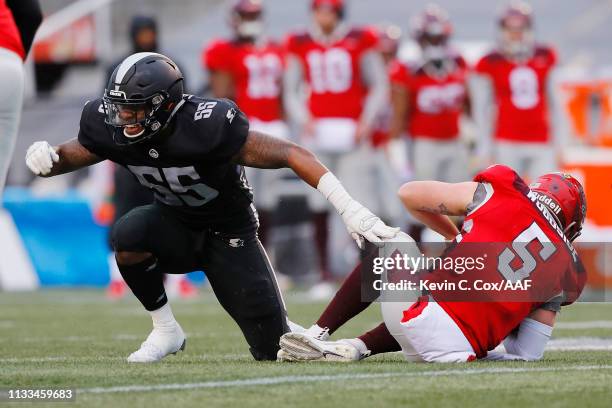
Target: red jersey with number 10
(518,240)
(256,72)
(332,71)
(520,94)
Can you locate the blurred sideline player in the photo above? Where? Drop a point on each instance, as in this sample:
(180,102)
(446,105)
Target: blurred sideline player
(346,86)
(429,99)
(190,151)
(19,20)
(519,71)
(388,162)
(127,192)
(248,69)
(499,208)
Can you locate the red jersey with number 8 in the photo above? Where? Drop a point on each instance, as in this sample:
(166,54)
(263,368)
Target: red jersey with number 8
(256,72)
(332,71)
(517,240)
(520,94)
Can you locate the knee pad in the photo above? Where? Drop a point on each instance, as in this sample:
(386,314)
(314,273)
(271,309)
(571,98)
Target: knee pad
(131,232)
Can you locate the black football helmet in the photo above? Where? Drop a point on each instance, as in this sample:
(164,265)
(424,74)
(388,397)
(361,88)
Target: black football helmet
(145,91)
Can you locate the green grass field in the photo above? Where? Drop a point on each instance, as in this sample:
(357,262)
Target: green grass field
(78,339)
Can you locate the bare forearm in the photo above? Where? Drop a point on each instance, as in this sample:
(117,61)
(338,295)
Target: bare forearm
(267,152)
(72,156)
(437,222)
(305,164)
(431,202)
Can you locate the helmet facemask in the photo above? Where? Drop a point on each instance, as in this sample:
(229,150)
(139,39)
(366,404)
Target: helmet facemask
(137,119)
(143,94)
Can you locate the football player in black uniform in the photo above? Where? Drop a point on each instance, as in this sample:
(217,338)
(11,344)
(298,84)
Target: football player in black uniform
(190,151)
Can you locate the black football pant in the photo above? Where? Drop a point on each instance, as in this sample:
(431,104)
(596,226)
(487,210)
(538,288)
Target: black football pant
(236,266)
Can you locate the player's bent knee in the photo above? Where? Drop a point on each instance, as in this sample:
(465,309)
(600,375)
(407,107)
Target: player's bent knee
(131,232)
(131,258)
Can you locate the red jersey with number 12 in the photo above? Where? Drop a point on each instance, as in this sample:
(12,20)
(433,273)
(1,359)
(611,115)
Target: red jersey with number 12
(519,241)
(520,94)
(256,71)
(332,71)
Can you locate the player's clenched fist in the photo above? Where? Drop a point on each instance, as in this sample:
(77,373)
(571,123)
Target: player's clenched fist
(40,158)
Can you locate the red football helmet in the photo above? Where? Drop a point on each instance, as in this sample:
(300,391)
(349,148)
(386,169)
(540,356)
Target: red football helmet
(388,40)
(516,24)
(568,200)
(431,29)
(432,26)
(247,18)
(336,5)
(245,7)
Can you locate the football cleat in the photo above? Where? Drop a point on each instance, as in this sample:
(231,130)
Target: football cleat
(302,347)
(161,342)
(319,333)
(283,356)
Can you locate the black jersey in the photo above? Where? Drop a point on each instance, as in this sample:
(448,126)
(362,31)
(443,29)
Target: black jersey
(188,168)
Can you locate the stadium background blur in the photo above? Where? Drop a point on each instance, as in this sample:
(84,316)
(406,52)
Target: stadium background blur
(79,39)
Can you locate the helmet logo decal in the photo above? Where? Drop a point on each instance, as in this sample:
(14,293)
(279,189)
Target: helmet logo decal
(115,92)
(549,202)
(154,153)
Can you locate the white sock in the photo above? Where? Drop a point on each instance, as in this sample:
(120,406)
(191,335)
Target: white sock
(294,327)
(163,316)
(359,345)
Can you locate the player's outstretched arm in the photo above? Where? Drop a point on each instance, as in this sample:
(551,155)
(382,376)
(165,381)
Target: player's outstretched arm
(267,152)
(431,202)
(46,161)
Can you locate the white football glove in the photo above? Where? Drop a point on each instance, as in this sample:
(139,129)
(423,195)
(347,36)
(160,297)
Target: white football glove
(360,222)
(40,158)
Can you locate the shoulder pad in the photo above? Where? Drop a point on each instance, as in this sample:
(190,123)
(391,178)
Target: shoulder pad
(501,176)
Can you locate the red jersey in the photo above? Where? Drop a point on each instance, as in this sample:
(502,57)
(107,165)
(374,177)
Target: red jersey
(332,71)
(522,243)
(256,71)
(520,94)
(9,34)
(435,103)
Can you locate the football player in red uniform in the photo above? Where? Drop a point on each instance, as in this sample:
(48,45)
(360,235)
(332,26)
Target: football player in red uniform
(519,70)
(526,233)
(428,99)
(389,165)
(248,68)
(19,21)
(347,86)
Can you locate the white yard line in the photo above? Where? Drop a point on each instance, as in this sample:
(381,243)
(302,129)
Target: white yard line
(337,377)
(595,324)
(580,343)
